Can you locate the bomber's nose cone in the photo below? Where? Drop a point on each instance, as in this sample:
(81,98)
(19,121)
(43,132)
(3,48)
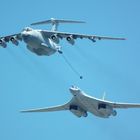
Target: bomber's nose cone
(74,90)
(71,89)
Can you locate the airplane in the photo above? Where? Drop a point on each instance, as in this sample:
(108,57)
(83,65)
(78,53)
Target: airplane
(46,42)
(81,104)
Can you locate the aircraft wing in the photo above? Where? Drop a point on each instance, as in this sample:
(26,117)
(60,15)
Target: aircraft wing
(13,38)
(49,109)
(125,105)
(117,104)
(7,38)
(75,36)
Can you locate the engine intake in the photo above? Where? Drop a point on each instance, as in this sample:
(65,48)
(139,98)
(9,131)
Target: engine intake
(70,39)
(3,43)
(14,41)
(74,107)
(55,38)
(102,106)
(76,110)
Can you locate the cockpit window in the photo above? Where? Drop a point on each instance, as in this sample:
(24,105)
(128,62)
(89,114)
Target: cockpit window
(75,88)
(27,29)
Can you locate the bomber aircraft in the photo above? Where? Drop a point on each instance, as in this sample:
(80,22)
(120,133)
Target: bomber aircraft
(81,104)
(46,42)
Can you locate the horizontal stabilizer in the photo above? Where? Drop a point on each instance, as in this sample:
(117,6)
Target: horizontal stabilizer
(56,21)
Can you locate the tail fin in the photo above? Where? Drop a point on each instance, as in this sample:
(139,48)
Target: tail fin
(104,94)
(55,22)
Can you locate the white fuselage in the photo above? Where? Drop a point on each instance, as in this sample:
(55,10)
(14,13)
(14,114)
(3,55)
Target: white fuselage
(90,104)
(82,103)
(39,44)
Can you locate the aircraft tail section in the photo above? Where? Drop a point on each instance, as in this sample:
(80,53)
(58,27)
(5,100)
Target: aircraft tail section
(55,22)
(104,95)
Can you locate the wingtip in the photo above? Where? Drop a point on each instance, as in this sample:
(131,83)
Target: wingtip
(123,38)
(24,111)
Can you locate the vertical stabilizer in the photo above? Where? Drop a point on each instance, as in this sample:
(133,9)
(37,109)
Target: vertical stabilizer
(104,95)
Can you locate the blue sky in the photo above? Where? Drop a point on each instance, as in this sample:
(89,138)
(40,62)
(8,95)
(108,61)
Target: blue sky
(29,81)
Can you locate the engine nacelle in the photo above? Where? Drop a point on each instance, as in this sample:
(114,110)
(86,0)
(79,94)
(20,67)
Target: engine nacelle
(55,38)
(114,112)
(71,40)
(14,41)
(106,110)
(78,111)
(92,39)
(3,43)
(85,114)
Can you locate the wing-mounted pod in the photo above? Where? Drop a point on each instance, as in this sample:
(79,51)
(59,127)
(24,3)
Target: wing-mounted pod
(15,38)
(70,39)
(77,111)
(3,43)
(55,22)
(55,38)
(106,109)
(93,39)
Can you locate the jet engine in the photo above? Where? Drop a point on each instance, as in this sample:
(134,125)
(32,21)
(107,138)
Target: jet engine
(114,112)
(3,43)
(92,39)
(106,110)
(70,39)
(14,41)
(55,38)
(78,111)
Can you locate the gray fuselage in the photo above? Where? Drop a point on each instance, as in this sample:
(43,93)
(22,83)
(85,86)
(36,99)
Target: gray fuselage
(37,43)
(90,104)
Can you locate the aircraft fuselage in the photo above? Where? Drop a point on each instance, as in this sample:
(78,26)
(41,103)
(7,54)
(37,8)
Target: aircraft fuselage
(86,103)
(38,44)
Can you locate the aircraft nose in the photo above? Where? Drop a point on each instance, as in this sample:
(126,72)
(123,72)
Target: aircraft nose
(71,89)
(74,90)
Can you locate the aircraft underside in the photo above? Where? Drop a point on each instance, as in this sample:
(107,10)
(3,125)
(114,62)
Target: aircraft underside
(40,51)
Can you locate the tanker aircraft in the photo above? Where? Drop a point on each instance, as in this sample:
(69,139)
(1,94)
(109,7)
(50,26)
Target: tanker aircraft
(46,42)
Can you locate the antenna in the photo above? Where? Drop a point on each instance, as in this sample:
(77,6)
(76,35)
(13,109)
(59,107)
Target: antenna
(55,22)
